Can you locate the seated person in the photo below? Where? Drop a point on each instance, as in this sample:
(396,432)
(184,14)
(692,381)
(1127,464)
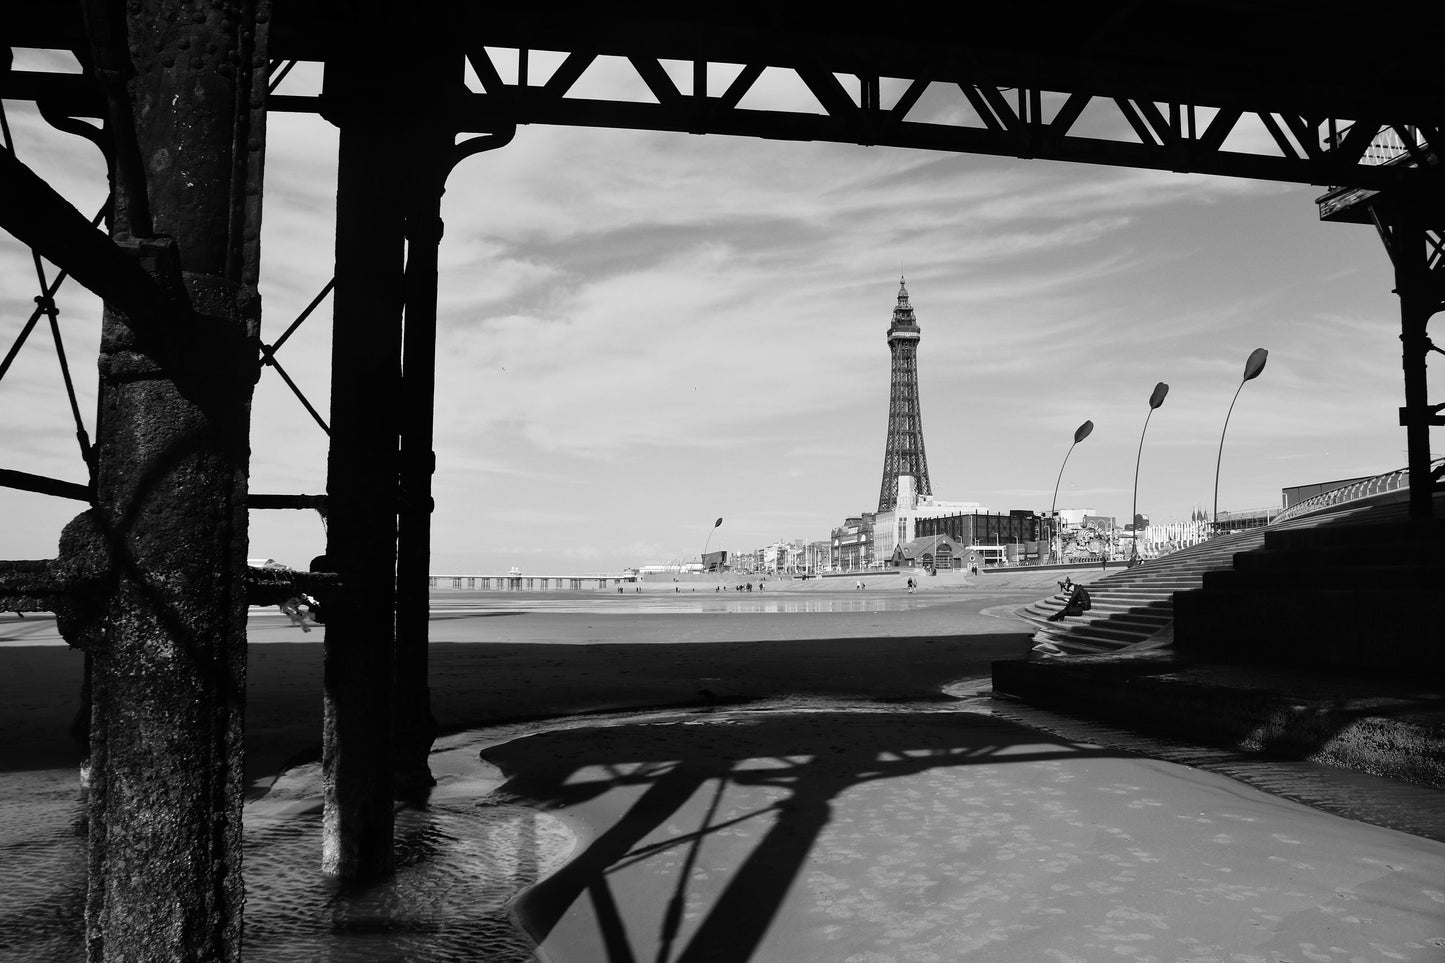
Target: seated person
(1077,604)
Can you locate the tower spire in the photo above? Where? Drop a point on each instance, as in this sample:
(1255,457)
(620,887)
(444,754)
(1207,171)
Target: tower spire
(903,453)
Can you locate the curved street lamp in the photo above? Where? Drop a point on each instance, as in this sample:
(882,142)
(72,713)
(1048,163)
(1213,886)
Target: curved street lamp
(1252,369)
(703,557)
(1083,432)
(1155,400)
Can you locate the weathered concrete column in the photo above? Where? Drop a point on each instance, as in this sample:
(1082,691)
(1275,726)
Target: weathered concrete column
(362,467)
(169,527)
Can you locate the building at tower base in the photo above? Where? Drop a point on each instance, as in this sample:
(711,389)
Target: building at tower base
(900,525)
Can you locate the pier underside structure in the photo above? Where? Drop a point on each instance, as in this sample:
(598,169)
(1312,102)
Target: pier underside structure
(152,581)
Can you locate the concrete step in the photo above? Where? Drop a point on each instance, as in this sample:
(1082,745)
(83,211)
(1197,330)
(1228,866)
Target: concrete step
(1147,588)
(1147,623)
(1356,577)
(1162,587)
(1070,646)
(1337,625)
(1110,630)
(1106,634)
(1394,553)
(1143,604)
(1359,534)
(1154,612)
(1127,599)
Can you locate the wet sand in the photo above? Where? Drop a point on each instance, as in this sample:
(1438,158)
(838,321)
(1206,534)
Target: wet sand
(501,656)
(906,835)
(863,816)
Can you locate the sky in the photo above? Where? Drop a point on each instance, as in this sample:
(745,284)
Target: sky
(640,333)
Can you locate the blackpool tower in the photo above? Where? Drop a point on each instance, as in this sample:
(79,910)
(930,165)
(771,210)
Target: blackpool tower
(904,454)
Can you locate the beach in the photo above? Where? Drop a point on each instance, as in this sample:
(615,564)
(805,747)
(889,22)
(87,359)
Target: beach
(820,778)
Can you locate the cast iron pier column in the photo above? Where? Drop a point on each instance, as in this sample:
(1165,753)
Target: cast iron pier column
(1411,230)
(362,467)
(169,526)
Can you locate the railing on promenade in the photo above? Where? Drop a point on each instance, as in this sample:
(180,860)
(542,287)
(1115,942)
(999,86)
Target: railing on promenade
(1386,147)
(1380,484)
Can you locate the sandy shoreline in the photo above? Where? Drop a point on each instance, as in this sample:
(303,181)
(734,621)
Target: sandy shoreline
(865,817)
(510,665)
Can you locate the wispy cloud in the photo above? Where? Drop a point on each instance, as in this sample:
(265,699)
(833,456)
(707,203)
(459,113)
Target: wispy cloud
(640,332)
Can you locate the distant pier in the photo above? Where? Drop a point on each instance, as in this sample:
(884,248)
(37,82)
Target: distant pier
(531,583)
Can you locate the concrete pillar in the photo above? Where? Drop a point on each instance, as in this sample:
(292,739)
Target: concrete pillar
(172,463)
(362,467)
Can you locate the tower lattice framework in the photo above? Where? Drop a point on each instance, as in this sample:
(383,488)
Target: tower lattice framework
(903,454)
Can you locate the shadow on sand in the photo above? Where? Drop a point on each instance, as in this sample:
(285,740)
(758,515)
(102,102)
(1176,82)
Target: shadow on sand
(667,786)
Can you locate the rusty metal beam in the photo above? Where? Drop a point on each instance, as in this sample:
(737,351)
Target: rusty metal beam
(1129,62)
(1204,154)
(26,482)
(314,502)
(40,218)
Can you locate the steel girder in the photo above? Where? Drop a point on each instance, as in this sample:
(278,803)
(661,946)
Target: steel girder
(1158,96)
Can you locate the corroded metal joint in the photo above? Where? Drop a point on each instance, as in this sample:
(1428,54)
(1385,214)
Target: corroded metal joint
(208,329)
(272,586)
(76,586)
(424,229)
(27,585)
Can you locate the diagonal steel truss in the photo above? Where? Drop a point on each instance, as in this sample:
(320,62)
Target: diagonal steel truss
(1238,94)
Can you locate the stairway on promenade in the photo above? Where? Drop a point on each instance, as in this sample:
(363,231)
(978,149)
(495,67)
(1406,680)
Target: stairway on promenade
(1359,587)
(1132,605)
(1310,639)
(1362,564)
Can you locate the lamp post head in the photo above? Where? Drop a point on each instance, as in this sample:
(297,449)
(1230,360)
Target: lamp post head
(1157,398)
(1255,364)
(1084,431)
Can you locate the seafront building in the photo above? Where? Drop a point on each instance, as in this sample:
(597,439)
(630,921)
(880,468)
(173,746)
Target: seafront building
(852,543)
(900,525)
(912,525)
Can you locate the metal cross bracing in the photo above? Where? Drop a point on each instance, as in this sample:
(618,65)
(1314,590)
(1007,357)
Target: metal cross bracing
(45,305)
(1237,92)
